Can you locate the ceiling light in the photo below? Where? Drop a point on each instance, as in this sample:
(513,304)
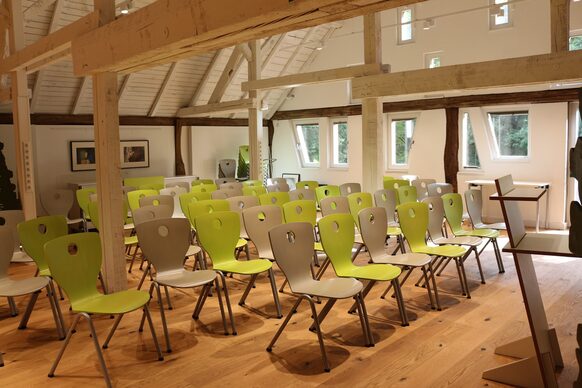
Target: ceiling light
(428,24)
(125,7)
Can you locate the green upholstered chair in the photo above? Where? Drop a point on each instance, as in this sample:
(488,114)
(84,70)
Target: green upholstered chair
(322,192)
(133,197)
(83,201)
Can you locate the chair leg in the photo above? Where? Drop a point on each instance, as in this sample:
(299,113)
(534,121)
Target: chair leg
(285,281)
(499,257)
(460,278)
(56,310)
(247,290)
(464,274)
(201,300)
(12,305)
(154,336)
(227,300)
(170,307)
(364,294)
(362,322)
(323,313)
(163,316)
(285,322)
(428,288)
(479,265)
(142,322)
(145,273)
(220,304)
(64,346)
(275,294)
(322,269)
(366,321)
(434,285)
(248,251)
(102,282)
(28,311)
(201,260)
(315,259)
(112,331)
(319,335)
(443,264)
(400,301)
(132,259)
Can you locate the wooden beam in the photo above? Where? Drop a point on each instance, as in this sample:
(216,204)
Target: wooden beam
(255,115)
(37,8)
(193,27)
(53,46)
(204,80)
(179,167)
(221,107)
(245,50)
(560,25)
(451,151)
(536,69)
(5,95)
(80,91)
(270,136)
(320,76)
(162,91)
(230,70)
(123,86)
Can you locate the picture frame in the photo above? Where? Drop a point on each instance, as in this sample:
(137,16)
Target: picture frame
(83,156)
(135,153)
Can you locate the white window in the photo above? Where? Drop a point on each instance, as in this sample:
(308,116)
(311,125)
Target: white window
(308,143)
(401,131)
(405,25)
(576,42)
(499,14)
(339,143)
(470,154)
(510,133)
(432,60)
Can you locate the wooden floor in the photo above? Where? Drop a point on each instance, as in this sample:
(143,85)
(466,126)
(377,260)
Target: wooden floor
(447,348)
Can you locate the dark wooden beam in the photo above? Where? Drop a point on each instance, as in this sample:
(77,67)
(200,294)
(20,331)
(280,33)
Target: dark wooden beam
(180,169)
(477,100)
(270,135)
(451,154)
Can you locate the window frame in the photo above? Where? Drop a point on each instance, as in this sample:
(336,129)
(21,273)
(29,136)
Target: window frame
(391,144)
(331,142)
(399,25)
(492,25)
(299,145)
(463,137)
(574,34)
(430,55)
(496,155)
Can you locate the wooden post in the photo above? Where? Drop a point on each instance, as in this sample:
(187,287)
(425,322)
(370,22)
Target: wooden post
(560,24)
(255,115)
(21,116)
(372,117)
(270,135)
(451,154)
(180,169)
(110,193)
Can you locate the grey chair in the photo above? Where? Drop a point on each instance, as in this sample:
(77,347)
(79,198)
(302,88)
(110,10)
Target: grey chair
(474,202)
(231,186)
(278,187)
(226,168)
(175,193)
(439,189)
(258,221)
(184,185)
(350,188)
(9,219)
(221,181)
(59,203)
(226,193)
(422,187)
(239,204)
(386,198)
(302,193)
(156,200)
(334,205)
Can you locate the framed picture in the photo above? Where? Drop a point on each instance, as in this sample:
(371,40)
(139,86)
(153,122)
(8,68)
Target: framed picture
(83,156)
(135,153)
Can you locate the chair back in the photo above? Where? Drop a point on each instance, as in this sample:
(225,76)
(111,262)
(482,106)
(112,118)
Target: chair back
(251,183)
(226,168)
(511,210)
(395,183)
(258,221)
(83,199)
(349,188)
(439,189)
(277,198)
(407,194)
(9,219)
(357,202)
(146,182)
(239,204)
(221,181)
(453,204)
(199,208)
(74,262)
(334,205)
(386,199)
(300,211)
(322,192)
(175,192)
(6,251)
(436,216)
(156,200)
(94,213)
(151,212)
(255,191)
(279,187)
(413,218)
(165,242)
(134,197)
(292,246)
(422,187)
(35,233)
(231,186)
(198,182)
(187,198)
(57,202)
(302,193)
(225,193)
(337,237)
(218,232)
(307,185)
(373,224)
(474,202)
(276,181)
(127,189)
(184,185)
(204,188)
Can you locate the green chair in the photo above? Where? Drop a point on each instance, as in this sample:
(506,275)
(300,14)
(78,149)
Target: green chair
(278,198)
(337,233)
(83,201)
(406,194)
(204,188)
(453,203)
(313,185)
(187,198)
(253,183)
(198,182)
(218,233)
(74,262)
(322,192)
(413,219)
(395,183)
(387,178)
(255,191)
(146,182)
(133,197)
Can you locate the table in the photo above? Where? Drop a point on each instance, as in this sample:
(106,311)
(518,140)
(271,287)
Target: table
(533,193)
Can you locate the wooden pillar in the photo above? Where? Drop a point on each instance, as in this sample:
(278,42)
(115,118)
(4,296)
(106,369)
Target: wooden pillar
(255,115)
(451,155)
(560,24)
(21,116)
(372,116)
(110,193)
(180,169)
(270,135)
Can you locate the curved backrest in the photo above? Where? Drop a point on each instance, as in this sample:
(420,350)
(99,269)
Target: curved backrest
(373,223)
(302,193)
(221,181)
(226,168)
(438,189)
(258,221)
(300,211)
(239,204)
(349,188)
(187,198)
(337,237)
(218,233)
(184,185)
(413,218)
(395,183)
(204,188)
(292,246)
(252,183)
(357,202)
(387,178)
(307,185)
(146,182)
(198,182)
(422,187)
(35,233)
(94,213)
(334,205)
(75,262)
(322,192)
(277,198)
(175,193)
(406,194)
(57,202)
(254,190)
(134,197)
(127,189)
(231,186)
(83,199)
(198,208)
(436,216)
(386,199)
(164,242)
(155,200)
(151,212)
(474,202)
(226,193)
(278,187)
(9,219)
(6,251)
(453,204)
(276,181)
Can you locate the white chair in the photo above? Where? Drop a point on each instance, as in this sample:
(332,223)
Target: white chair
(422,187)
(185,185)
(474,202)
(59,203)
(175,193)
(439,189)
(8,220)
(226,168)
(350,188)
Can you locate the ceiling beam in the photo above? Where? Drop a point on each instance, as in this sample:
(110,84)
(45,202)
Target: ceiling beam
(220,107)
(245,50)
(37,8)
(536,69)
(5,95)
(232,66)
(193,27)
(123,87)
(162,91)
(560,24)
(82,87)
(204,81)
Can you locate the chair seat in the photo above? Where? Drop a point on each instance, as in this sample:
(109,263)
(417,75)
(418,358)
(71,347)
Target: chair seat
(241,243)
(9,287)
(129,226)
(193,250)
(487,233)
(393,231)
(131,240)
(406,259)
(185,279)
(497,226)
(443,250)
(21,257)
(338,288)
(44,272)
(466,240)
(74,221)
(379,272)
(244,267)
(117,303)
